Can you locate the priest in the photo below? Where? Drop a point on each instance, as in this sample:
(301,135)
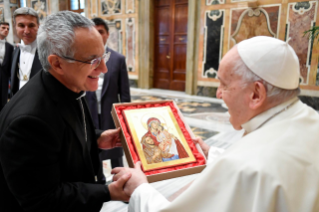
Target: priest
(275,164)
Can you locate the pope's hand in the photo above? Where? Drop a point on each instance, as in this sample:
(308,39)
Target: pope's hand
(109,139)
(202,145)
(137,178)
(117,188)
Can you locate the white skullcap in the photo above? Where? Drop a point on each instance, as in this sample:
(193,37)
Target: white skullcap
(271,59)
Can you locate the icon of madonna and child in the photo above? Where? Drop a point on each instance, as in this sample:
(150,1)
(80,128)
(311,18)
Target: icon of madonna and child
(157,137)
(159,145)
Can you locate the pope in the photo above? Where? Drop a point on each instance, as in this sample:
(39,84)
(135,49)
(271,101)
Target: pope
(274,166)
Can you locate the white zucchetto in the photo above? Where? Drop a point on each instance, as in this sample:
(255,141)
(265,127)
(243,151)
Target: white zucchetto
(271,59)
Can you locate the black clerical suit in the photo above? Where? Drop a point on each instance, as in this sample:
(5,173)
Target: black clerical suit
(46,164)
(15,82)
(5,74)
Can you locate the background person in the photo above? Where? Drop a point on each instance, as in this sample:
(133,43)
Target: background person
(115,88)
(275,165)
(6,50)
(25,61)
(48,147)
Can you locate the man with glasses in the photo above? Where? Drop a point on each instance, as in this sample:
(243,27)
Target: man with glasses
(48,144)
(113,88)
(6,50)
(25,61)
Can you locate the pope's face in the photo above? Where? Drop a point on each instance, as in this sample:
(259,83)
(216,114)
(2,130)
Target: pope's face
(79,76)
(232,91)
(149,140)
(27,28)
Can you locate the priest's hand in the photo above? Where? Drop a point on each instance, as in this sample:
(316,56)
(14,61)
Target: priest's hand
(137,178)
(109,139)
(202,145)
(116,188)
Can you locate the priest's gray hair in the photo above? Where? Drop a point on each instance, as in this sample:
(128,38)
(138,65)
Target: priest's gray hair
(56,35)
(25,11)
(274,94)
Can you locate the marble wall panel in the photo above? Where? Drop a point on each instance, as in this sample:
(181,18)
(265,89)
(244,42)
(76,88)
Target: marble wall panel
(1,13)
(247,23)
(115,35)
(14,31)
(213,2)
(129,6)
(300,17)
(111,7)
(214,31)
(41,7)
(130,44)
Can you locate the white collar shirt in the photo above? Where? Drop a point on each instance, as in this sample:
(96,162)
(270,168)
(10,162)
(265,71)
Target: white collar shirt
(27,53)
(2,50)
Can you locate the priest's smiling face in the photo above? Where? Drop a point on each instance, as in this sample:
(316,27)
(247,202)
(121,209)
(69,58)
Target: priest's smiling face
(81,76)
(232,90)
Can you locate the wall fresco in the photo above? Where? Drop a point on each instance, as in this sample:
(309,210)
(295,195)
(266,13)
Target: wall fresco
(130,44)
(300,17)
(248,23)
(115,35)
(41,7)
(110,7)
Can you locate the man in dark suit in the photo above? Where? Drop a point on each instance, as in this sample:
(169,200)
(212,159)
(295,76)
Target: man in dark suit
(6,50)
(25,61)
(115,88)
(48,144)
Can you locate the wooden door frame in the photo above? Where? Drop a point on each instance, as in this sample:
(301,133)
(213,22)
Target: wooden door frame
(146,45)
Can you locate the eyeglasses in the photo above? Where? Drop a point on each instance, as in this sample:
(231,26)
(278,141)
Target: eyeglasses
(94,63)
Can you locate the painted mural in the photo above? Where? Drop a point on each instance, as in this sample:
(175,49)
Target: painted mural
(251,22)
(41,7)
(110,7)
(300,17)
(130,47)
(115,35)
(1,14)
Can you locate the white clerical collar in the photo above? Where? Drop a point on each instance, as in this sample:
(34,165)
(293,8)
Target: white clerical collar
(81,95)
(262,118)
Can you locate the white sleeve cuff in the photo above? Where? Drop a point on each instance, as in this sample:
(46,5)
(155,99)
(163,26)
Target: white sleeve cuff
(146,199)
(213,153)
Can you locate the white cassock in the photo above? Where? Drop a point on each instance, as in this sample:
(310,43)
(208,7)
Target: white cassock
(275,167)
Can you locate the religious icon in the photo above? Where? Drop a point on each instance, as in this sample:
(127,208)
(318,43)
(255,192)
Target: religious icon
(158,138)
